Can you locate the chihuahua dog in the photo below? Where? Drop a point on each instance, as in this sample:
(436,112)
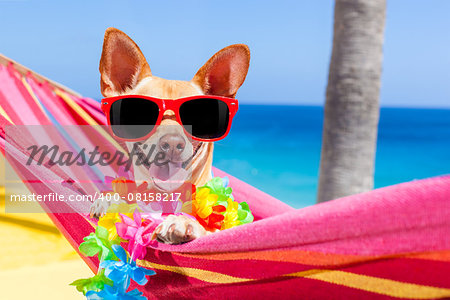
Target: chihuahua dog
(125,71)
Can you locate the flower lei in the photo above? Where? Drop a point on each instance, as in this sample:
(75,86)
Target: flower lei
(212,205)
(116,269)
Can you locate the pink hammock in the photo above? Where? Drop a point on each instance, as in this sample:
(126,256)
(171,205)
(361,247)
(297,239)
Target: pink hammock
(393,242)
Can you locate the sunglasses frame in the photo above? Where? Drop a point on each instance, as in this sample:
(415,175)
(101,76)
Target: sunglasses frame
(173,105)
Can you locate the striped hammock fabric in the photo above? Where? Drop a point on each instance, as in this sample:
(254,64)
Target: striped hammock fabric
(392,242)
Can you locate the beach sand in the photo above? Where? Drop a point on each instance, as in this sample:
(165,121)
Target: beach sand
(36,261)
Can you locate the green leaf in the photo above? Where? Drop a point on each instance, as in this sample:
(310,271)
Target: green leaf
(102,232)
(216,186)
(89,248)
(216,183)
(98,243)
(244,214)
(78,282)
(107,254)
(95,283)
(244,206)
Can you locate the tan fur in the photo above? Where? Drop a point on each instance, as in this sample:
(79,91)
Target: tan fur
(165,89)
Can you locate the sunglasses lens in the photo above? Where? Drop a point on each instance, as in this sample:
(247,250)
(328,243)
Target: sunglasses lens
(133,118)
(206,118)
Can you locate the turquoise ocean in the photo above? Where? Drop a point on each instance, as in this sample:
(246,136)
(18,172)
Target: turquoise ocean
(277,148)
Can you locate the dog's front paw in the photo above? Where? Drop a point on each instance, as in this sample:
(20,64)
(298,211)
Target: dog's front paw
(178,230)
(99,208)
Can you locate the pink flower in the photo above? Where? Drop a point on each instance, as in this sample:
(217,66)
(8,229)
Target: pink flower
(138,232)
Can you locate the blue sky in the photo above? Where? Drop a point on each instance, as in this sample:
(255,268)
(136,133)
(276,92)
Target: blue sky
(290,43)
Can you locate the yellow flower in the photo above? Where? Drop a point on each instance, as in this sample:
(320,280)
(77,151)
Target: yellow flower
(123,208)
(203,202)
(231,215)
(110,219)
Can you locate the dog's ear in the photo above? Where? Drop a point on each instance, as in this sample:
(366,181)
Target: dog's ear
(225,72)
(122,64)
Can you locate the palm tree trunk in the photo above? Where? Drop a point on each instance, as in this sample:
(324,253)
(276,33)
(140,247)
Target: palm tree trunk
(352,108)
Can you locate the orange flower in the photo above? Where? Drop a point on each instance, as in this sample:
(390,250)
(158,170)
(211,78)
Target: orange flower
(123,186)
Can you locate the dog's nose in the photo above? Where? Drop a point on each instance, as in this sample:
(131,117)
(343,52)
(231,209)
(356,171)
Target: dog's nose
(173,145)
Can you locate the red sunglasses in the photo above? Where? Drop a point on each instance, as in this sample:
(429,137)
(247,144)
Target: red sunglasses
(205,118)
